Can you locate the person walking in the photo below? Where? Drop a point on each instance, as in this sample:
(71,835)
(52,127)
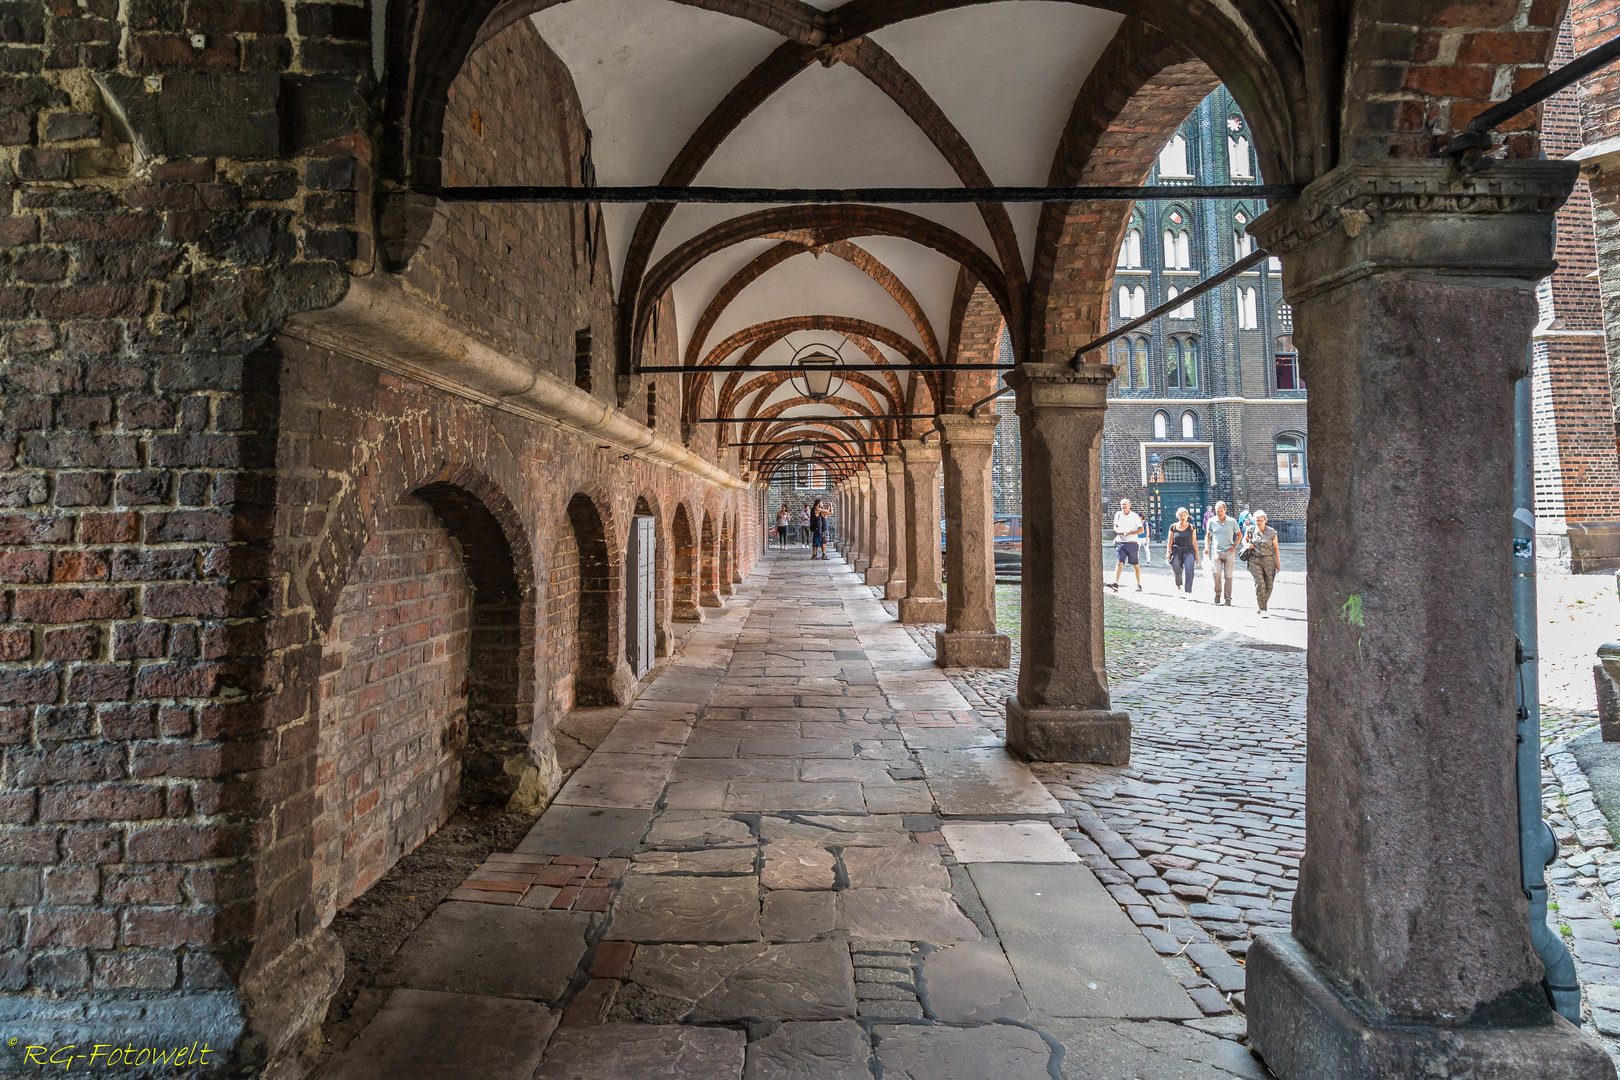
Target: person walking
(1264,558)
(1181,550)
(804,526)
(1127,542)
(782,526)
(1245,519)
(1221,538)
(818,531)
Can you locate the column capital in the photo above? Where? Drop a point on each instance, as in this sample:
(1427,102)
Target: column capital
(1060,386)
(860,479)
(1418,216)
(915,451)
(959,429)
(894,464)
(876,471)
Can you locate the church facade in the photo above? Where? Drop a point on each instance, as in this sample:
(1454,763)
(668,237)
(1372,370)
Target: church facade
(1210,401)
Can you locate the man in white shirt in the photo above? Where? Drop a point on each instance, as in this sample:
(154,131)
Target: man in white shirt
(1127,542)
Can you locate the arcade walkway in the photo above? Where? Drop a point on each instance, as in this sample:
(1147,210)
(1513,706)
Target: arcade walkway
(798,854)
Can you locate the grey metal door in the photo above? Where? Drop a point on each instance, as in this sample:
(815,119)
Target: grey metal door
(639,566)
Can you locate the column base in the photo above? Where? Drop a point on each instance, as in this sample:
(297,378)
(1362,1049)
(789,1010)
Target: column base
(877,575)
(687,613)
(862,565)
(711,599)
(922,609)
(1303,1028)
(972,650)
(1095,736)
(894,589)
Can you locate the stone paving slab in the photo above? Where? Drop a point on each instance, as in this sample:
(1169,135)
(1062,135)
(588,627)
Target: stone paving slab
(633,781)
(904,915)
(644,1052)
(1006,842)
(1075,951)
(798,916)
(1002,1051)
(633,735)
(846,830)
(984,781)
(579,830)
(429,1035)
(494,951)
(767,795)
(1151,1050)
(656,908)
(827,1050)
(732,860)
(797,864)
(897,866)
(972,983)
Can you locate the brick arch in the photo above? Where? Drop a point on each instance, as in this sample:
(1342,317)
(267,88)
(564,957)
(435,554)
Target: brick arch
(975,338)
(828,224)
(647,503)
(687,565)
(709,560)
(1142,89)
(584,627)
(765,382)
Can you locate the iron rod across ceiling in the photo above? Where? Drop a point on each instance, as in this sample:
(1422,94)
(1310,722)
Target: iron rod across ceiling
(823,416)
(670,369)
(524,193)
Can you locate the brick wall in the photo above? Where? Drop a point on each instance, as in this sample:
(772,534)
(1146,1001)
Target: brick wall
(393,704)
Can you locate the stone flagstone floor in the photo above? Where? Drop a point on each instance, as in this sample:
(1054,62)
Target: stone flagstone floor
(802,852)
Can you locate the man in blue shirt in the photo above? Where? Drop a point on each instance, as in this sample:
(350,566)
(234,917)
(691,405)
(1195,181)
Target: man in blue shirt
(1220,544)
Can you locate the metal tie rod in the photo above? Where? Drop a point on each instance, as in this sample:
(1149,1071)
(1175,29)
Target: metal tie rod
(523,193)
(826,416)
(715,369)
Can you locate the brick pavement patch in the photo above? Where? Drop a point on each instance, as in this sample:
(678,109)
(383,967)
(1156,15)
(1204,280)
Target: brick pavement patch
(561,883)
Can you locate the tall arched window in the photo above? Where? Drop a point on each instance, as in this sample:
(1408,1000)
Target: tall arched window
(1139,362)
(1185,311)
(1177,240)
(1161,425)
(1248,309)
(1173,159)
(1130,250)
(1242,242)
(1132,302)
(1291,460)
(1189,425)
(1286,362)
(1237,157)
(1181,363)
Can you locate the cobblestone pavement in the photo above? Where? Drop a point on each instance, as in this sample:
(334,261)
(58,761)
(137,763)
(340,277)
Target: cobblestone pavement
(804,852)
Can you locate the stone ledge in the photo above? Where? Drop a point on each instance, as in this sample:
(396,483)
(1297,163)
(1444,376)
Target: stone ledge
(1304,1029)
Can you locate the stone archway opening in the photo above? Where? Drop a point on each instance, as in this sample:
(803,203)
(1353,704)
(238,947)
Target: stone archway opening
(590,614)
(709,574)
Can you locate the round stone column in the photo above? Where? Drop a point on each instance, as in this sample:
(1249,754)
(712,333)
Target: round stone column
(894,470)
(877,494)
(1062,711)
(970,638)
(923,602)
(1412,288)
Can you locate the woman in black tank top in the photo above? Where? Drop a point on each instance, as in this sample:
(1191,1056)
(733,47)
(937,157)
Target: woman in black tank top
(1182,551)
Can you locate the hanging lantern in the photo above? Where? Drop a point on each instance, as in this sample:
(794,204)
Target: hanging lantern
(816,375)
(807,450)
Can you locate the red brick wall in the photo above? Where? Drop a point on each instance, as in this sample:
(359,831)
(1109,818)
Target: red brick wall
(393,704)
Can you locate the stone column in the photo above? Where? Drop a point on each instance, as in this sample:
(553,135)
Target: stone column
(1413,295)
(923,602)
(1062,711)
(970,638)
(895,476)
(877,494)
(844,518)
(862,533)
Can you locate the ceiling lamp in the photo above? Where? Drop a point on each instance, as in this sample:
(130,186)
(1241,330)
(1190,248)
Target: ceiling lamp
(815,375)
(807,450)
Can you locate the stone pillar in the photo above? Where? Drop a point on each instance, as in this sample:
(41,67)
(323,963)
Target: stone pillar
(877,495)
(1413,295)
(970,638)
(863,527)
(895,476)
(923,602)
(844,519)
(1062,711)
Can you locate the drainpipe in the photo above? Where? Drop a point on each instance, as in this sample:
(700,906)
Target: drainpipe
(1537,846)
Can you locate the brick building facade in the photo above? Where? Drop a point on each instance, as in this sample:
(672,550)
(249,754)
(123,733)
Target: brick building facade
(1216,393)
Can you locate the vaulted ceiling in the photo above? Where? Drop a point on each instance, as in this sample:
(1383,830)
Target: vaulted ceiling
(678,94)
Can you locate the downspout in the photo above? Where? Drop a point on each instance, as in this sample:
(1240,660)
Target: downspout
(1537,846)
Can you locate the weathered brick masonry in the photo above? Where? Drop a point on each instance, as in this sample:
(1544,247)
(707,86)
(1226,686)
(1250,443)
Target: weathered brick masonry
(271,611)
